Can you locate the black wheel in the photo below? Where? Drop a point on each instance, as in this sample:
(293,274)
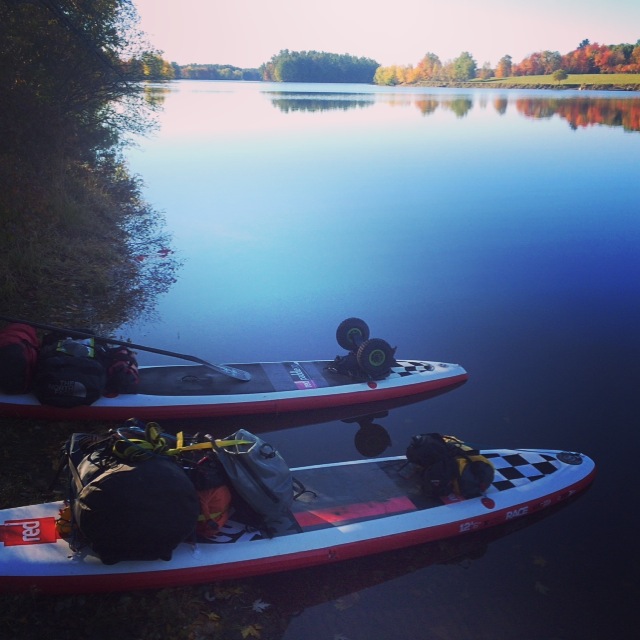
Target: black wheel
(351,333)
(371,440)
(375,357)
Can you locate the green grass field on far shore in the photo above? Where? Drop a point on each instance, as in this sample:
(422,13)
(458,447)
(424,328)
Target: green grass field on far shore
(618,79)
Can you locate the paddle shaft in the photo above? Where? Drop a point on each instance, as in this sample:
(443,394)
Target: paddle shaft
(232,372)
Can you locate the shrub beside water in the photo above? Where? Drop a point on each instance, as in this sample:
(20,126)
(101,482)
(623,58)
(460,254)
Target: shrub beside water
(74,224)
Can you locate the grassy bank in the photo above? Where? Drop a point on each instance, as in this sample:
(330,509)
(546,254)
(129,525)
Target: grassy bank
(612,81)
(594,81)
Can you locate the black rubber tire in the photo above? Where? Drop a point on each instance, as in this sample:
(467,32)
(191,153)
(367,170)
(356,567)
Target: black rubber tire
(375,357)
(351,333)
(372,440)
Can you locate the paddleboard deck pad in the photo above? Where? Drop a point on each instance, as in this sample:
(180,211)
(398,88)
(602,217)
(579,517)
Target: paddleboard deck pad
(195,391)
(349,509)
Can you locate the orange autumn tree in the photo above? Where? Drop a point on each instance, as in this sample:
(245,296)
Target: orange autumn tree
(586,58)
(504,67)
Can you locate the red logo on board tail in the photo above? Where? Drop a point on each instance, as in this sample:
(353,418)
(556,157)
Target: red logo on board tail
(300,377)
(28,531)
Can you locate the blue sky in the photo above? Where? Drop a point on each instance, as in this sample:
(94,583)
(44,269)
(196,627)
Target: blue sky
(246,33)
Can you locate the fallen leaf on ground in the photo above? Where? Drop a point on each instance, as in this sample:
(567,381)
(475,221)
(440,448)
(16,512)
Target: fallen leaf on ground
(259,606)
(253,631)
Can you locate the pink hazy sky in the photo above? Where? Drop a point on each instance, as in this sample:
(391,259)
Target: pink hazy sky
(246,33)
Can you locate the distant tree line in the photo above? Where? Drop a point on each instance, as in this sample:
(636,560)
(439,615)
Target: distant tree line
(150,65)
(586,58)
(286,66)
(318,66)
(214,72)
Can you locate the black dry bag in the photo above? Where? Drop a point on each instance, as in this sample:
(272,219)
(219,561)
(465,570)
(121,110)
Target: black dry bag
(128,510)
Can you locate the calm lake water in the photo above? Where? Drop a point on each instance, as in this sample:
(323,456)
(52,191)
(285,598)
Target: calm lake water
(496,229)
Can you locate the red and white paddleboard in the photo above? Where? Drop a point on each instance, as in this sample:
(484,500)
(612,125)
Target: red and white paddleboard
(350,509)
(369,373)
(194,391)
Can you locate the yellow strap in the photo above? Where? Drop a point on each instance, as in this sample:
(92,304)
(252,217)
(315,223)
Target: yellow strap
(231,443)
(132,449)
(211,516)
(203,445)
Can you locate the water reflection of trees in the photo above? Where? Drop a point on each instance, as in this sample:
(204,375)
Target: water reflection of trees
(459,106)
(155,94)
(319,101)
(427,106)
(500,105)
(581,112)
(578,112)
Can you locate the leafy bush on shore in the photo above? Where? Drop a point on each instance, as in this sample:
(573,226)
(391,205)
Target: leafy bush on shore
(73,218)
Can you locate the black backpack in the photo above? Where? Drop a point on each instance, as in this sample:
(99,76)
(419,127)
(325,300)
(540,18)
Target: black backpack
(129,501)
(449,466)
(437,459)
(69,372)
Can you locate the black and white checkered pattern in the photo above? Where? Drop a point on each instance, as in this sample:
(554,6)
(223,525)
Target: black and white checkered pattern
(408,367)
(517,469)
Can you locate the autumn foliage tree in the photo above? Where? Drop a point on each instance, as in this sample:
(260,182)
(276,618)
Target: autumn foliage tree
(429,69)
(585,58)
(430,66)
(504,67)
